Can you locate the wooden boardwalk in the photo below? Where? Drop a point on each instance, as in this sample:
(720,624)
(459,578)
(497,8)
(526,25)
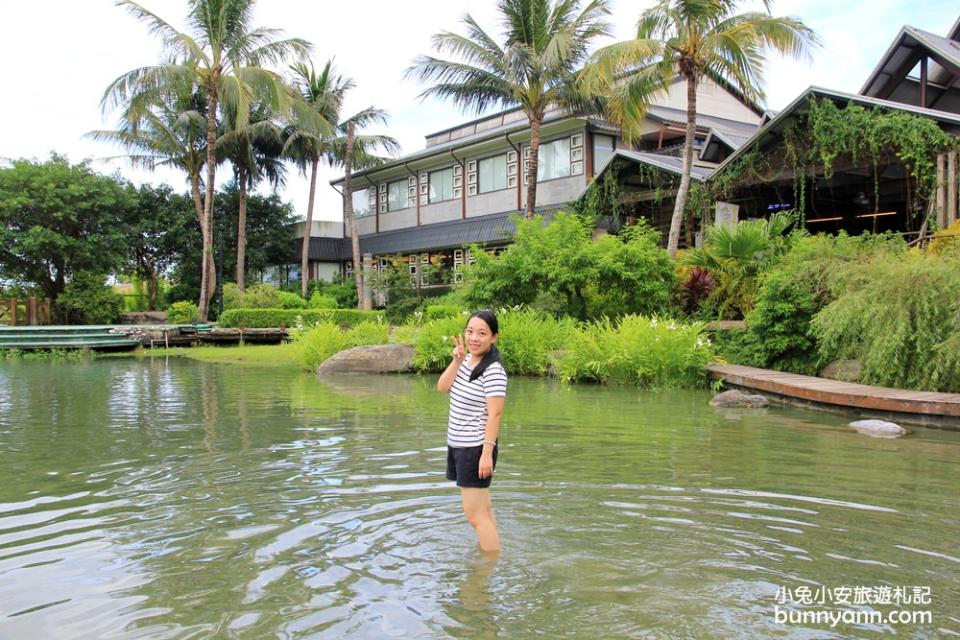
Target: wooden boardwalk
(929,408)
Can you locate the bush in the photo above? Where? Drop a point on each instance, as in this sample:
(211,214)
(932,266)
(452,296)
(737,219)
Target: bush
(232,297)
(291,300)
(322,301)
(260,296)
(317,344)
(266,318)
(86,299)
(562,268)
(900,317)
(433,345)
(182,312)
(436,311)
(648,352)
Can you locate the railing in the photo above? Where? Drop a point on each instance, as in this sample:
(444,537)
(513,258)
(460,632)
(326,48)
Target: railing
(31,311)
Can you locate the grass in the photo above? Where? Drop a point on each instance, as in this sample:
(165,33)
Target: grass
(272,355)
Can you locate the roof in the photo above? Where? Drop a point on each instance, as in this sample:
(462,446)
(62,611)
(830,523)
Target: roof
(670,164)
(679,116)
(717,138)
(323,249)
(800,101)
(903,54)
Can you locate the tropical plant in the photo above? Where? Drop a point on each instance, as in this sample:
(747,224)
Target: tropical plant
(182,312)
(223,59)
(736,256)
(691,40)
(544,44)
(308,144)
(86,299)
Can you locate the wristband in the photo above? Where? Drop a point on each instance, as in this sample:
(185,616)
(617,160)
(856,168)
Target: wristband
(488,442)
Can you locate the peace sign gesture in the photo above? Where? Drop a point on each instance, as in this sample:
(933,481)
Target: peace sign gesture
(459,350)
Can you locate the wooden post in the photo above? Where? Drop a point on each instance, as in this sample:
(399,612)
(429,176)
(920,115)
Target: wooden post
(923,82)
(13,312)
(941,209)
(32,311)
(45,312)
(951,187)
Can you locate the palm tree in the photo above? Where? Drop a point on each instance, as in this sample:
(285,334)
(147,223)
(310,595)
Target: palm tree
(166,130)
(691,39)
(255,153)
(545,44)
(325,92)
(224,59)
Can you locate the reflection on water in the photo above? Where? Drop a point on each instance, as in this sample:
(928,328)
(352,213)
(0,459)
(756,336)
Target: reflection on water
(173,499)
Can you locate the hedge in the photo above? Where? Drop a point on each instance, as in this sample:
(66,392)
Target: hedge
(267,318)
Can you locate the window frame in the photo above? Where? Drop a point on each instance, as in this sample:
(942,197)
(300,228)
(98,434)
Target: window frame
(430,174)
(366,198)
(505,186)
(403,183)
(540,157)
(613,149)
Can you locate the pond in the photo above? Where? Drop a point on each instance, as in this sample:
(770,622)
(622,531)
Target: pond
(167,498)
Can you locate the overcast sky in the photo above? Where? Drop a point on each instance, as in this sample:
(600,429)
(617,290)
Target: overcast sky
(59,56)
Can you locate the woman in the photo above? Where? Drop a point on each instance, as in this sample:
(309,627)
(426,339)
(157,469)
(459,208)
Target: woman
(477,384)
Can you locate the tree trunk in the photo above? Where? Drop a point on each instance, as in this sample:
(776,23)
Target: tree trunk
(362,301)
(153,287)
(673,240)
(242,228)
(208,284)
(535,120)
(198,206)
(308,227)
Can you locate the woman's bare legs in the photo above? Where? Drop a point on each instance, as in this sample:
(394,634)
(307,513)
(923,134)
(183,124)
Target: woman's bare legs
(479,510)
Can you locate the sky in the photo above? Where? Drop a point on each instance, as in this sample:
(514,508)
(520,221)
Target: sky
(60,55)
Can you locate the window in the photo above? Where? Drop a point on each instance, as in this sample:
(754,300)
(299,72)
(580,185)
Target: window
(397,195)
(554,160)
(441,185)
(603,147)
(361,204)
(493,173)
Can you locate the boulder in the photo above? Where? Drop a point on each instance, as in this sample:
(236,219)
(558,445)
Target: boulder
(381,358)
(740,399)
(843,370)
(879,428)
(143,317)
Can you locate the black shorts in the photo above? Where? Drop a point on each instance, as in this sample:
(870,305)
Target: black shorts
(463,466)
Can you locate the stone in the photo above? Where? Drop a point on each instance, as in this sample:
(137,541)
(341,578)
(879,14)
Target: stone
(843,370)
(879,428)
(734,398)
(380,358)
(143,317)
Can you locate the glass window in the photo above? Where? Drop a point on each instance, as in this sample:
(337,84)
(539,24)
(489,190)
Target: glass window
(603,147)
(441,185)
(493,173)
(361,203)
(397,195)
(554,160)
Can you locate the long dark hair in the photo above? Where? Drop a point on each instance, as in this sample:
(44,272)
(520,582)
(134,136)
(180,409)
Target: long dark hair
(493,355)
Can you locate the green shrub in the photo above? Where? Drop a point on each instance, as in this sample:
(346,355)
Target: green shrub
(369,332)
(529,338)
(900,317)
(433,346)
(86,299)
(322,301)
(264,318)
(436,311)
(648,352)
(562,268)
(232,296)
(317,344)
(261,296)
(291,300)
(182,312)
(405,334)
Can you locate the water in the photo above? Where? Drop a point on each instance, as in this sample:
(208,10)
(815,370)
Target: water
(175,499)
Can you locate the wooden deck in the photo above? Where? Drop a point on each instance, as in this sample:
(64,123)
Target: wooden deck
(928,408)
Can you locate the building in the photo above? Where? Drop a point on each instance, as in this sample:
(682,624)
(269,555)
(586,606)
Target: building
(462,188)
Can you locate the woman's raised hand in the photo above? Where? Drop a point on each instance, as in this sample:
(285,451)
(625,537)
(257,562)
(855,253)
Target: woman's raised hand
(459,351)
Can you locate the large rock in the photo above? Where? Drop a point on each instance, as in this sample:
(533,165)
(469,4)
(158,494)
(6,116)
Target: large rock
(740,399)
(381,358)
(843,370)
(879,428)
(143,317)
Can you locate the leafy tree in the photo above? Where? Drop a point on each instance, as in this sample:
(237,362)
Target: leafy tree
(691,40)
(58,219)
(224,58)
(544,45)
(561,269)
(336,143)
(87,299)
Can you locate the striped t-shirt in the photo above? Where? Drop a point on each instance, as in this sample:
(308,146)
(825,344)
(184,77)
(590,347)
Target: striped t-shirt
(468,403)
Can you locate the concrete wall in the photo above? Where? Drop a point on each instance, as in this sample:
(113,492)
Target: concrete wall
(440,211)
(712,100)
(492,202)
(325,270)
(320,229)
(365,225)
(398,219)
